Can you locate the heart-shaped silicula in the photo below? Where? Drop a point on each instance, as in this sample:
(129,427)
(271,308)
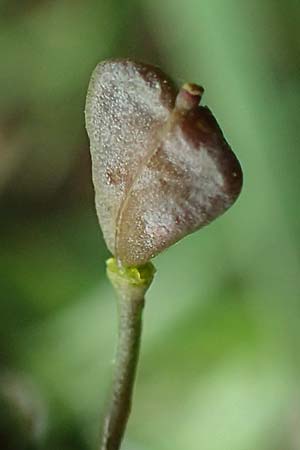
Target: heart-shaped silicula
(161,166)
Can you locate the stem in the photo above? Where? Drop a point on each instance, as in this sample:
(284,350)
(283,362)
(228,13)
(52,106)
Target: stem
(130,285)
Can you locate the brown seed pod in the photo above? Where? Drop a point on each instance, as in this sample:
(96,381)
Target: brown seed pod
(161,166)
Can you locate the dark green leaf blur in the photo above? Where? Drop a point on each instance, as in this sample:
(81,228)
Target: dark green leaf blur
(220,365)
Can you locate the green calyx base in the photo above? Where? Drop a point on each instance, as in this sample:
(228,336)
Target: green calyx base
(136,276)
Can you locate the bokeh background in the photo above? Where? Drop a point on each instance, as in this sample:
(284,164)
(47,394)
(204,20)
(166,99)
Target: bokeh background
(219,368)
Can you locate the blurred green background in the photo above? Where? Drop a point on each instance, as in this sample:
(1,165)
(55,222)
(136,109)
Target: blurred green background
(220,364)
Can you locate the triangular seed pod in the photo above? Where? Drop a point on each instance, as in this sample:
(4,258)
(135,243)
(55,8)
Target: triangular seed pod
(161,166)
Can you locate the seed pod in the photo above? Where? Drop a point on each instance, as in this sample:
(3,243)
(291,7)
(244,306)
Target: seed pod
(161,166)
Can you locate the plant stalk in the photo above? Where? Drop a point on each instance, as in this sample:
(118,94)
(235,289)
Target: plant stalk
(130,285)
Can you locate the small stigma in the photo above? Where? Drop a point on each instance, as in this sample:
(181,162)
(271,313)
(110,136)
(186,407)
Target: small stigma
(189,97)
(193,89)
